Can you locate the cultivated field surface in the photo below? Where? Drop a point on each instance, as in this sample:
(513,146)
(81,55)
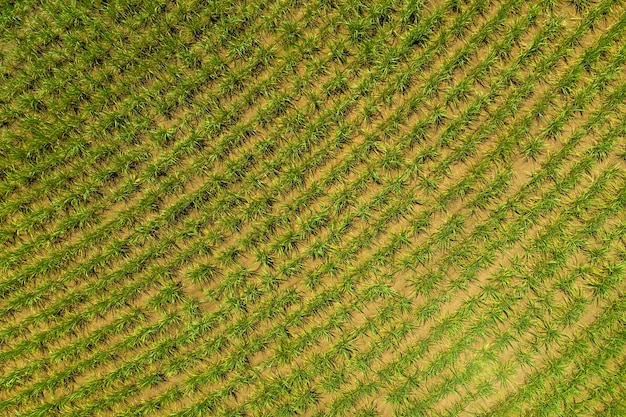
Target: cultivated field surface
(321,208)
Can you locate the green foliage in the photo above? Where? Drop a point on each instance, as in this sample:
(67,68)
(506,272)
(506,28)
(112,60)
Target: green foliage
(312,208)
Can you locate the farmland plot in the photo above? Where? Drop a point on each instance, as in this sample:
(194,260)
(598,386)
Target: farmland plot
(321,208)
